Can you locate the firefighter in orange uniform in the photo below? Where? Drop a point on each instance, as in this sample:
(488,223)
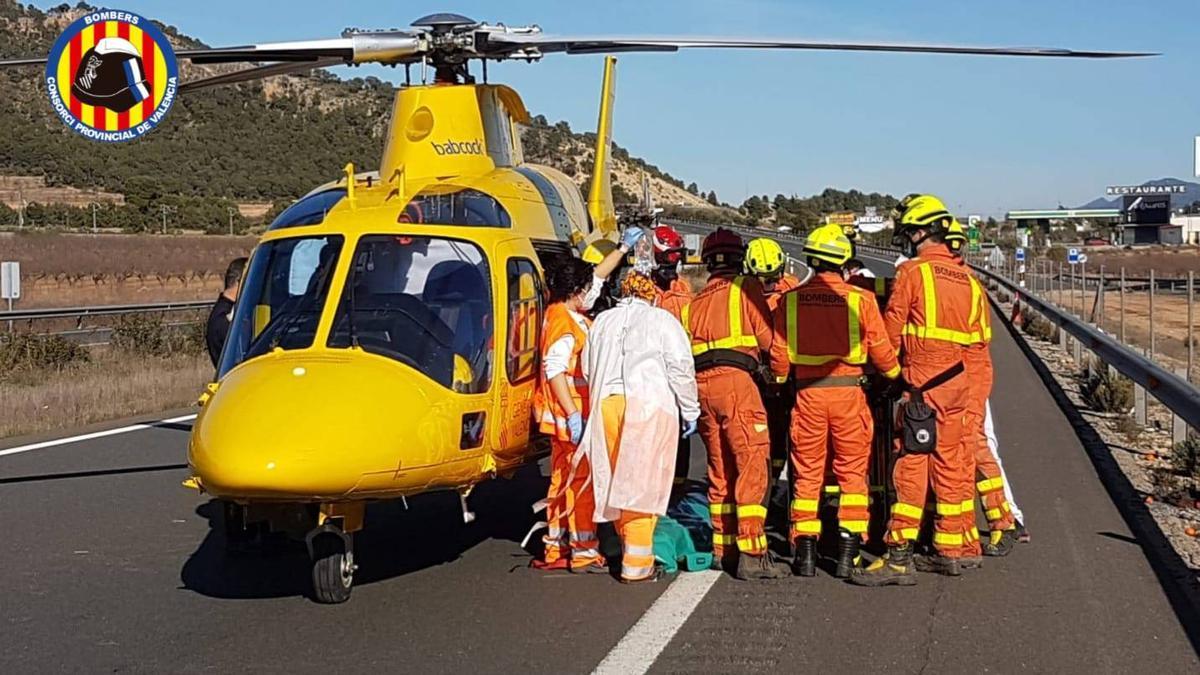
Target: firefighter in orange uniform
(1002,527)
(827,333)
(929,316)
(729,326)
(673,294)
(766,260)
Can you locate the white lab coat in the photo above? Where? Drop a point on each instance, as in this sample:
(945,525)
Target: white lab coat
(640,351)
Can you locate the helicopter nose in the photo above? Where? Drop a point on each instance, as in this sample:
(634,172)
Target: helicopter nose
(314,428)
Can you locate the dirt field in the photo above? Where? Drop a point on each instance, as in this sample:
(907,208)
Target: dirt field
(112,385)
(69,270)
(1175,261)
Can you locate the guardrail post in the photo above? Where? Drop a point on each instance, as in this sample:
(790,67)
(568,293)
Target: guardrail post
(1152,350)
(1101,296)
(1122,307)
(1077,351)
(1179,428)
(1062,338)
(1191,338)
(1139,404)
(1059,284)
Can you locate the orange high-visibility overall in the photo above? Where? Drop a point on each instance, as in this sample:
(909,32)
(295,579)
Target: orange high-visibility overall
(826,333)
(635,528)
(730,317)
(570,500)
(675,298)
(929,316)
(989,479)
(776,400)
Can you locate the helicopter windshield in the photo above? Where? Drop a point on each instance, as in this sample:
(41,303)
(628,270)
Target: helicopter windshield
(280,301)
(423,301)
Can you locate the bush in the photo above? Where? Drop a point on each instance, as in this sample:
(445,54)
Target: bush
(1040,327)
(149,335)
(32,353)
(1185,456)
(1107,392)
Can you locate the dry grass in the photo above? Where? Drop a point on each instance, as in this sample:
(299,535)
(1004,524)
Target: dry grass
(1174,261)
(63,270)
(113,385)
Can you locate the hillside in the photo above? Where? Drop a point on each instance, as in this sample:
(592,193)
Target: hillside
(234,145)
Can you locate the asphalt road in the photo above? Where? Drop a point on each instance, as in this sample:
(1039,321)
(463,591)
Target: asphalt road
(110,565)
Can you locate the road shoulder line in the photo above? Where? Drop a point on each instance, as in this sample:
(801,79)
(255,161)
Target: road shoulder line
(96,434)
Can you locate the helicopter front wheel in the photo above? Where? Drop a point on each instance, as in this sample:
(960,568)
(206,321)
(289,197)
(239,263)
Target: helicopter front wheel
(332,554)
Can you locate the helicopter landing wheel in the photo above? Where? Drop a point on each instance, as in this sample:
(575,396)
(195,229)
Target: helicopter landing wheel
(332,564)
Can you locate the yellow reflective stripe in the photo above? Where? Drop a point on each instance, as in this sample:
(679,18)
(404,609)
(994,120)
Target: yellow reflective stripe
(944,509)
(832,489)
(880,286)
(807,527)
(725,539)
(989,484)
(893,373)
(720,509)
(752,543)
(968,506)
(853,526)
(849,499)
(735,307)
(904,533)
(973,534)
(947,539)
(930,294)
(855,355)
(752,511)
(809,505)
(994,514)
(907,510)
(943,334)
(684,314)
(975,297)
(1007,507)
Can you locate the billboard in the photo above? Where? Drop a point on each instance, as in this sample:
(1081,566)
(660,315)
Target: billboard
(1145,190)
(1151,210)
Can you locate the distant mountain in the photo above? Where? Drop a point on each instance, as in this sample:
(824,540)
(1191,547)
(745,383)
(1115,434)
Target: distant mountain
(1177,201)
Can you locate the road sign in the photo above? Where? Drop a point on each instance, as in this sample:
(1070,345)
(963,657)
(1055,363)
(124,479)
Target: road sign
(973,237)
(10,281)
(972,221)
(1082,258)
(1073,256)
(1020,255)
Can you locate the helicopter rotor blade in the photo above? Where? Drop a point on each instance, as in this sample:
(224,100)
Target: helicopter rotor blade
(259,72)
(609,44)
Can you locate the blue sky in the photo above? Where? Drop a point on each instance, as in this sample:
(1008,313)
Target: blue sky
(987,134)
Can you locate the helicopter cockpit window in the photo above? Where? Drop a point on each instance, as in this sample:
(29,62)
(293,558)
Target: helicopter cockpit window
(455,206)
(423,301)
(310,210)
(280,301)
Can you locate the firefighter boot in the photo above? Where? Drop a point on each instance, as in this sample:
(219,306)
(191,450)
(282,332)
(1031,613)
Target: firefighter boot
(805,562)
(1000,542)
(938,564)
(758,567)
(894,568)
(847,559)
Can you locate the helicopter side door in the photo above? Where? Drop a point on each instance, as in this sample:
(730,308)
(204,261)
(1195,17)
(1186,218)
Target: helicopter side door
(521,305)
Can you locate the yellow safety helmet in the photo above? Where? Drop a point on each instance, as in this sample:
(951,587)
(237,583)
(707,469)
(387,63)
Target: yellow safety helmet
(924,211)
(829,244)
(598,250)
(764,257)
(851,232)
(956,236)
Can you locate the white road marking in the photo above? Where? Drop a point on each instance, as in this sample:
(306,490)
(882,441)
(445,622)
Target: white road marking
(640,647)
(98,434)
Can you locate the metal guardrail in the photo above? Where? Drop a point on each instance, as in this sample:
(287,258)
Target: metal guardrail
(1174,392)
(80,313)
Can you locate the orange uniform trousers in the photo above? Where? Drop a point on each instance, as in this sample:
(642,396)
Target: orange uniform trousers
(841,417)
(570,531)
(635,528)
(986,472)
(946,470)
(733,425)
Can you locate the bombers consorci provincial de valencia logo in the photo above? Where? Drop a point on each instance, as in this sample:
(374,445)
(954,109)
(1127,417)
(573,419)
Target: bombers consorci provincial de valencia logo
(112,76)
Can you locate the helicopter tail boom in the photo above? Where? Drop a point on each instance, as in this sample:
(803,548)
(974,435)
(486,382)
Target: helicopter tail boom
(600,199)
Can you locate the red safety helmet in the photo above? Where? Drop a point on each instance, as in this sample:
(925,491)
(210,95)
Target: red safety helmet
(668,246)
(723,247)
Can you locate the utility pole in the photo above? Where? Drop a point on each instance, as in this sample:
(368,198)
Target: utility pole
(231,211)
(21,211)
(165,210)
(94,206)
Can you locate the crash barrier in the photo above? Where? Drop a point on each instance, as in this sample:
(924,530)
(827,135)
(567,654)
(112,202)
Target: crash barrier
(90,336)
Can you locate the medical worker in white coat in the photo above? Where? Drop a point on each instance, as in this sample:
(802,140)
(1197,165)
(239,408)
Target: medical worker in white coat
(638,364)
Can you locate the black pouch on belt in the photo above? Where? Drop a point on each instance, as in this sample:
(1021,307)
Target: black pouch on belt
(918,422)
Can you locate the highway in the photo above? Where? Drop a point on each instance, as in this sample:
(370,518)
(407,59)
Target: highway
(110,565)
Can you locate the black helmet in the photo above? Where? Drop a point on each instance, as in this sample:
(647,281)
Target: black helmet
(110,75)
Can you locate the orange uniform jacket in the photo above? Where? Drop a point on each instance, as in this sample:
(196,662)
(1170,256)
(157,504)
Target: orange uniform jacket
(551,417)
(813,336)
(932,327)
(786,283)
(675,298)
(709,324)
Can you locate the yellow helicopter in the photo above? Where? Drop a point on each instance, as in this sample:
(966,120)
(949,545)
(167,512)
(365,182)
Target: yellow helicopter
(384,343)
